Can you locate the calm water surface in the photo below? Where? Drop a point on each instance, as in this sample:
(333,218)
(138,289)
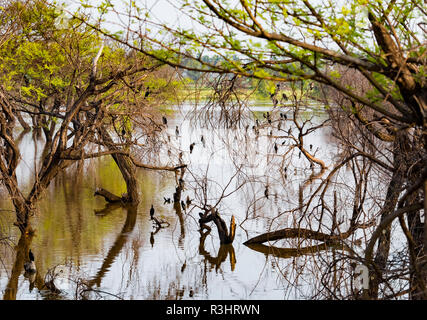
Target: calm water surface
(119,253)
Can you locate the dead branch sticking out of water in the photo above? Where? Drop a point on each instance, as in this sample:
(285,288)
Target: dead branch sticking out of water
(108,196)
(226,235)
(160,223)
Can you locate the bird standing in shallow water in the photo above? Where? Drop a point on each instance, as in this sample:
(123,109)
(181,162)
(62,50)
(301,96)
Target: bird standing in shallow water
(152,212)
(30,266)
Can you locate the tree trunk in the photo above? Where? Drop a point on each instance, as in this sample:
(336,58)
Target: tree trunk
(126,168)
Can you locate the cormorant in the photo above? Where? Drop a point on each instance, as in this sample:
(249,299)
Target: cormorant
(266,192)
(182,205)
(192,147)
(147,92)
(167,200)
(177,131)
(275,148)
(30,266)
(165,121)
(152,239)
(311,146)
(284,97)
(152,212)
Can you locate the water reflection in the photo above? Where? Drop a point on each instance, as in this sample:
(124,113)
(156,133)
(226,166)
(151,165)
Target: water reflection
(110,251)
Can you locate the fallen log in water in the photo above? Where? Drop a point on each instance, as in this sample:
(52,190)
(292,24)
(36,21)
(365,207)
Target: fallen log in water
(290,233)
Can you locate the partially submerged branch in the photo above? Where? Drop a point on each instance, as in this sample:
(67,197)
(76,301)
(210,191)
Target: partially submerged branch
(226,235)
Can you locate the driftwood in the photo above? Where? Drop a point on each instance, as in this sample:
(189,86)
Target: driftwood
(226,235)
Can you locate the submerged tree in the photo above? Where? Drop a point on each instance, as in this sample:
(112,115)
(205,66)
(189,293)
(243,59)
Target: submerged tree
(87,95)
(380,119)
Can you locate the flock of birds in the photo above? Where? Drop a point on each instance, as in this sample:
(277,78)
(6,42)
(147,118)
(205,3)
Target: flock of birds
(257,125)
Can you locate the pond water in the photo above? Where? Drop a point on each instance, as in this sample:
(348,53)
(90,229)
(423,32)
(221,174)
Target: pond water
(119,253)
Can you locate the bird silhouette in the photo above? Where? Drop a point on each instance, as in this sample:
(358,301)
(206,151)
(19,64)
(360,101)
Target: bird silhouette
(192,147)
(152,239)
(30,266)
(167,200)
(266,192)
(165,121)
(182,205)
(147,92)
(152,212)
(177,131)
(275,148)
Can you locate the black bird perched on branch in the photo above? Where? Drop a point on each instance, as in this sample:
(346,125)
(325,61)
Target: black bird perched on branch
(152,212)
(275,148)
(165,121)
(167,200)
(30,266)
(284,97)
(147,92)
(182,205)
(266,192)
(152,239)
(192,147)
(311,146)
